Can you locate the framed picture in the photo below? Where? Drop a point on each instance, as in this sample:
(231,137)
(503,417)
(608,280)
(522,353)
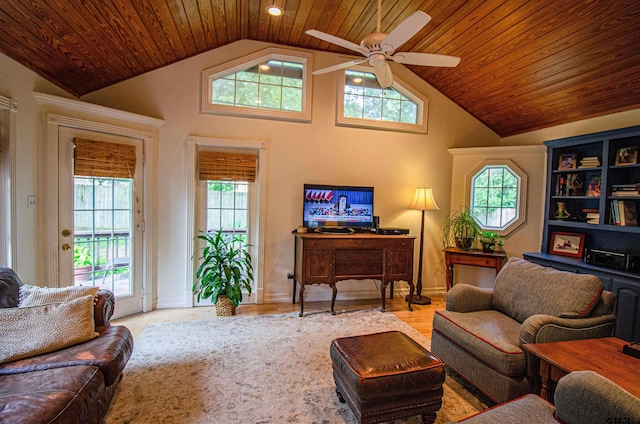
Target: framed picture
(627,156)
(567,244)
(567,161)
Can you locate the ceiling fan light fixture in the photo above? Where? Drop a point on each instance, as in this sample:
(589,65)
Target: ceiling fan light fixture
(275,10)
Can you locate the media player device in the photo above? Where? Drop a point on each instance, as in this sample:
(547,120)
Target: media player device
(392,231)
(613,260)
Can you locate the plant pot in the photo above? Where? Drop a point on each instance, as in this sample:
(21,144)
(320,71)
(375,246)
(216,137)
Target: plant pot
(464,243)
(81,274)
(224,307)
(488,247)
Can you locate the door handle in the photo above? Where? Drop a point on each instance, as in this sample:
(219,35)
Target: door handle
(66,247)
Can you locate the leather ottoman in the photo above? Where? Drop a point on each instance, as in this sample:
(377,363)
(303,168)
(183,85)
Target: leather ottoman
(384,376)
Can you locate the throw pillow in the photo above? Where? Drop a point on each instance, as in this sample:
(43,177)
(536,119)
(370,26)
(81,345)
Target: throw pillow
(31,331)
(34,295)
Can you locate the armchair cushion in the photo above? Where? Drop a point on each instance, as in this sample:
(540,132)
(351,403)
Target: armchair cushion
(477,333)
(41,329)
(523,288)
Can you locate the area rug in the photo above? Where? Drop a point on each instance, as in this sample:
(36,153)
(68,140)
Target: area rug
(253,369)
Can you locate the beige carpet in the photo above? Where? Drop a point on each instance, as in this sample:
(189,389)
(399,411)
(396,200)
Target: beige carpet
(257,369)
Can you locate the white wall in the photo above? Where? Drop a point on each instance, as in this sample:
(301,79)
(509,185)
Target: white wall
(526,237)
(317,152)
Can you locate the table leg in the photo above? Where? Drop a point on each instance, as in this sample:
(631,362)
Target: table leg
(383,296)
(449,268)
(334,290)
(410,298)
(548,389)
(301,299)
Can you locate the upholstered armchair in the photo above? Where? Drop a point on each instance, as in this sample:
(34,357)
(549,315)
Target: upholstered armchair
(480,334)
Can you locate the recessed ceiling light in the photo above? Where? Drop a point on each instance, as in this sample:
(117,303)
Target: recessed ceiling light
(275,10)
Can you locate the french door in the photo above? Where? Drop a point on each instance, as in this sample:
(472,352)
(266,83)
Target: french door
(100,221)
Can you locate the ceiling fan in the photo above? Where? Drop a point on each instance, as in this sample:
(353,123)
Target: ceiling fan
(380,47)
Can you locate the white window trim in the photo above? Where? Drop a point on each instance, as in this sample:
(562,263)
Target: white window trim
(8,217)
(399,85)
(271,53)
(521,206)
(258,220)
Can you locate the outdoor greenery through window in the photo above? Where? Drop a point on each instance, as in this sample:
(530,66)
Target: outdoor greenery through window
(228,207)
(365,99)
(102,232)
(495,193)
(273,84)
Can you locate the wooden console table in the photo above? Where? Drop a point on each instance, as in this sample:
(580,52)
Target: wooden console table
(603,356)
(328,258)
(473,257)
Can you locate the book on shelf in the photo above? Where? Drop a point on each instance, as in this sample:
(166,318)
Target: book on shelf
(575,183)
(625,189)
(589,162)
(624,213)
(593,187)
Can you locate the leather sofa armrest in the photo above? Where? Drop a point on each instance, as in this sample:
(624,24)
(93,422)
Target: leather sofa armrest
(103,308)
(587,397)
(467,298)
(547,328)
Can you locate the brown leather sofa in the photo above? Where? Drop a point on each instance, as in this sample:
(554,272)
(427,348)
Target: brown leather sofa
(71,385)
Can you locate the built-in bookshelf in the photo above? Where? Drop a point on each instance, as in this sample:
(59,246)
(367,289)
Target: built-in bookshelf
(592,203)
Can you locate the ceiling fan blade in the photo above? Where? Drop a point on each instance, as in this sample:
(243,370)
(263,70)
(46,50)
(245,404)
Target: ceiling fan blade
(383,75)
(339,66)
(336,40)
(405,30)
(425,59)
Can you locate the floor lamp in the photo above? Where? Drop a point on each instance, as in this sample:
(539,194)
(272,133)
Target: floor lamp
(422,200)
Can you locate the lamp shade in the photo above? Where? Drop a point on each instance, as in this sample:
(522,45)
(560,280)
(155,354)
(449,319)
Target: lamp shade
(423,200)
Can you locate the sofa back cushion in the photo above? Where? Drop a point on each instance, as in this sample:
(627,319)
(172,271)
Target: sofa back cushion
(523,289)
(9,288)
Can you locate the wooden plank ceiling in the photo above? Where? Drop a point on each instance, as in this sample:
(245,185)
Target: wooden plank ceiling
(526,64)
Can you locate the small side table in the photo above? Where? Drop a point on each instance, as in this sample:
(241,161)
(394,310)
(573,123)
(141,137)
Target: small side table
(473,257)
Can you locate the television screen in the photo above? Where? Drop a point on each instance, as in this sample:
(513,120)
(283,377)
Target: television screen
(337,206)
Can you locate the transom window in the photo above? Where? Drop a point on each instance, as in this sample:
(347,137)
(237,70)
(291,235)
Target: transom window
(497,196)
(365,99)
(363,103)
(273,83)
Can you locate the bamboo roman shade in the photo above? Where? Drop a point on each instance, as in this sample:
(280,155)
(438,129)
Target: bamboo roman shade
(103,159)
(228,166)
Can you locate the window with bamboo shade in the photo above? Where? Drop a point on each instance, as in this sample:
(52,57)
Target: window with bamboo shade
(227,166)
(103,159)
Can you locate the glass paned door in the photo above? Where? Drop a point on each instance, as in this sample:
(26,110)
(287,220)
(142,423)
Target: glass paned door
(103,222)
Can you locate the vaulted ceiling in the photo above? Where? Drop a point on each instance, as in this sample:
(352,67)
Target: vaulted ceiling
(526,64)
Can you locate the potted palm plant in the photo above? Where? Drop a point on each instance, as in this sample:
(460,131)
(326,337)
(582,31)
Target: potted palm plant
(225,270)
(459,229)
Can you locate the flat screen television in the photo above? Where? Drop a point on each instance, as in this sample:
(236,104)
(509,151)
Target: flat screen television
(334,206)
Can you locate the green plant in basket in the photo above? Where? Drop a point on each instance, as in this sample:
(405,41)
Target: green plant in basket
(225,268)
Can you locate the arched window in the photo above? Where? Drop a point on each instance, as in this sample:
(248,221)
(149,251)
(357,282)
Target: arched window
(273,83)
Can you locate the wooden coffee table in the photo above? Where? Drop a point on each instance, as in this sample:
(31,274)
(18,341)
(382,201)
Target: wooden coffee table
(603,356)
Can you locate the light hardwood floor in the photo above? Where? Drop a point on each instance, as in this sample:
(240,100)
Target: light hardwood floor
(420,318)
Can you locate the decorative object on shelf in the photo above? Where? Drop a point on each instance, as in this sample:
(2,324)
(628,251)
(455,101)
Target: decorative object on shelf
(460,229)
(224,272)
(627,156)
(575,183)
(567,244)
(567,161)
(562,212)
(593,188)
(490,240)
(422,200)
